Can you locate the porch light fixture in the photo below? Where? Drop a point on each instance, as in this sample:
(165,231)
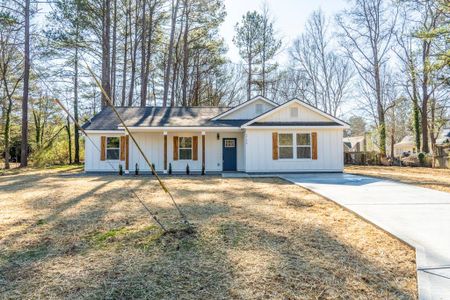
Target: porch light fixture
(218,136)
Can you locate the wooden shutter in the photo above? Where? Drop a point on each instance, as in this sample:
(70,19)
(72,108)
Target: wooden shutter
(314,145)
(103,147)
(175,148)
(274,145)
(123,144)
(127,152)
(195,148)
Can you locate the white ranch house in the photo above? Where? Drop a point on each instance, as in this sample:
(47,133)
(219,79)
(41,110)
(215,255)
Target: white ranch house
(257,136)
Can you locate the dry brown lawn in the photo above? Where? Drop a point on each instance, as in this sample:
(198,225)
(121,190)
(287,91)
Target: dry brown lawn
(438,179)
(77,236)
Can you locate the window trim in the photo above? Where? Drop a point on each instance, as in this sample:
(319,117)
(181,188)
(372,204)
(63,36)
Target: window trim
(304,146)
(184,148)
(109,148)
(291,146)
(295,145)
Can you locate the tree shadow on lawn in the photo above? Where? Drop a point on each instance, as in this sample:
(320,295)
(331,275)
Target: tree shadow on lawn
(309,262)
(236,252)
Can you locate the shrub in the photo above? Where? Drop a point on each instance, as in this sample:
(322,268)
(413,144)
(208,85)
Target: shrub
(170,168)
(136,170)
(421,157)
(187,169)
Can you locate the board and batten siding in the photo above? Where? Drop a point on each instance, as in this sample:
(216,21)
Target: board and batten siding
(248,112)
(259,156)
(92,159)
(152,143)
(304,115)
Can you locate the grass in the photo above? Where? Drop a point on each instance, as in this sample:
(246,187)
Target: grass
(76,236)
(15,170)
(437,179)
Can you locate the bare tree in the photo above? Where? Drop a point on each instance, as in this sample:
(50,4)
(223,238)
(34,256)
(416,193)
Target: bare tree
(11,65)
(327,74)
(367,32)
(175,5)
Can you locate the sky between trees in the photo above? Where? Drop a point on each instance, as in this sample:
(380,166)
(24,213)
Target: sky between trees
(382,62)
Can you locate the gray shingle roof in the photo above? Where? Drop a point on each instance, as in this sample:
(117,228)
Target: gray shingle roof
(315,124)
(160,117)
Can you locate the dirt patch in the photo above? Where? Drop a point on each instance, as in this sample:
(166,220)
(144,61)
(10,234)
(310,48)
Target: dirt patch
(86,237)
(437,179)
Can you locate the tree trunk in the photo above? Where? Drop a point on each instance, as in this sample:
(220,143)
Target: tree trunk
(37,129)
(249,78)
(380,111)
(26,78)
(69,139)
(143,55)
(113,63)
(7,130)
(416,110)
(75,109)
(106,53)
(125,58)
(425,95)
(149,52)
(133,59)
(170,52)
(184,81)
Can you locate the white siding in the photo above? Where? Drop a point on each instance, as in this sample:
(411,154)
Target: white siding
(92,162)
(329,152)
(304,115)
(153,146)
(248,112)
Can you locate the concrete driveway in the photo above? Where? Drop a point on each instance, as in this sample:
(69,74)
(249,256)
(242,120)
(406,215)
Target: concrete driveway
(418,216)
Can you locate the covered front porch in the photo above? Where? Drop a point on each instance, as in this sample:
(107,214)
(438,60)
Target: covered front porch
(209,150)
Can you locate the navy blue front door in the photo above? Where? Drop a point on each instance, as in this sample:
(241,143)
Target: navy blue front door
(229,154)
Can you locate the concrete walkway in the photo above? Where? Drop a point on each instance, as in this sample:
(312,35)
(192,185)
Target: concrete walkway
(418,216)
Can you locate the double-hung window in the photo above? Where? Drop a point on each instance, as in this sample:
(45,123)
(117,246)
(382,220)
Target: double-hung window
(112,148)
(303,145)
(289,143)
(185,148)
(286,145)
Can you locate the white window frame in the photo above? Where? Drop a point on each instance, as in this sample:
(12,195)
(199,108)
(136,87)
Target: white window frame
(110,148)
(291,146)
(295,145)
(185,148)
(303,146)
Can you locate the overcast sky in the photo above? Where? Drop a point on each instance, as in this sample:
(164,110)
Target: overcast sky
(289,16)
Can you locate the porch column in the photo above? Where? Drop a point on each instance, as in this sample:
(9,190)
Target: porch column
(165,152)
(203,150)
(127,154)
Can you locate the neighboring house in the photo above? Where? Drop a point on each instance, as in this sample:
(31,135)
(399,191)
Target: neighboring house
(257,136)
(354,144)
(359,144)
(406,146)
(444,137)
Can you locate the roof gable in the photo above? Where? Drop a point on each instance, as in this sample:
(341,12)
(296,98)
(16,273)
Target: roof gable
(247,109)
(305,113)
